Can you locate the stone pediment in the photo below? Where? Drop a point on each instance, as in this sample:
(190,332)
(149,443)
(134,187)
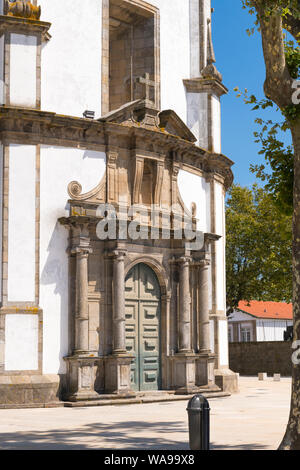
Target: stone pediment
(142,113)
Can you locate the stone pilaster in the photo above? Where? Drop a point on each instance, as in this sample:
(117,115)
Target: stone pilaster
(82,365)
(205,358)
(81,314)
(119,335)
(184,333)
(183,363)
(204,326)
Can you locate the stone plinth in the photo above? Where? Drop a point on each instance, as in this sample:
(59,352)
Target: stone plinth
(117,374)
(18,391)
(81,377)
(184,373)
(205,370)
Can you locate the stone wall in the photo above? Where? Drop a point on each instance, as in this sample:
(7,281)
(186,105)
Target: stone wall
(273,357)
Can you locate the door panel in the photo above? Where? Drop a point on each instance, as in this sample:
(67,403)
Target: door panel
(142,294)
(131,326)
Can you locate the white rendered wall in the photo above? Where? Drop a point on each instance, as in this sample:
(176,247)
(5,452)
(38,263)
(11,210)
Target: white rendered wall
(21,223)
(1,214)
(21,342)
(23,55)
(194,39)
(175,53)
(271,330)
(71,60)
(2,100)
(195,189)
(197,112)
(197,120)
(216,124)
(220,247)
(59,166)
(223,342)
(212,335)
(209,285)
(198,35)
(207,15)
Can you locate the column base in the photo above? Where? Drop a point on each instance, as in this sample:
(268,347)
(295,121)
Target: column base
(193,372)
(184,373)
(118,375)
(205,363)
(81,377)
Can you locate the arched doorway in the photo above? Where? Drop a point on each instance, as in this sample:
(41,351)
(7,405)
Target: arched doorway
(143,311)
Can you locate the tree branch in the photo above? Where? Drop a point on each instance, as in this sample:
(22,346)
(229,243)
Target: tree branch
(292,25)
(278,84)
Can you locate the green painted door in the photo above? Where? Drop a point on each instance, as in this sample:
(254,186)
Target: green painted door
(142,300)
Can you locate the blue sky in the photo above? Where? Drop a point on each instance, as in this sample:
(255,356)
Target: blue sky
(240,60)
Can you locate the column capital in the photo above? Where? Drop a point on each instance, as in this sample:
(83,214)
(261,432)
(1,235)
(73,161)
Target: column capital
(119,255)
(184,260)
(80,250)
(203,263)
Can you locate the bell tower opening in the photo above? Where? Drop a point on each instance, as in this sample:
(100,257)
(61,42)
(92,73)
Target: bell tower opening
(132,55)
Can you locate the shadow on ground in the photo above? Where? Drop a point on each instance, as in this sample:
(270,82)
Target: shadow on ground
(239,447)
(129,435)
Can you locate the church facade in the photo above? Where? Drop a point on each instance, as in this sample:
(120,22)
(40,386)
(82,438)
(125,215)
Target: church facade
(112,265)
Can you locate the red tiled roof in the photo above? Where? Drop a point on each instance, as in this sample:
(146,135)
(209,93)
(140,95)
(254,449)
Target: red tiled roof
(258,309)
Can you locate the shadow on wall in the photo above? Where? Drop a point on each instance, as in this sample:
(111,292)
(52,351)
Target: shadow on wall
(54,298)
(91,154)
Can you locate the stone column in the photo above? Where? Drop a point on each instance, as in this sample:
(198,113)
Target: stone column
(119,334)
(184,306)
(82,313)
(82,365)
(184,362)
(117,366)
(204,326)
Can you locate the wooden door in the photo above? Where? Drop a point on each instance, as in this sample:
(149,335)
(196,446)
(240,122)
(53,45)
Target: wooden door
(143,306)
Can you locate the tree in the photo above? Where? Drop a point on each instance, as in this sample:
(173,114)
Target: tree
(258,248)
(278,175)
(274,19)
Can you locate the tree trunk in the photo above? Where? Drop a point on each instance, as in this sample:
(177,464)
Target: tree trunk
(291,440)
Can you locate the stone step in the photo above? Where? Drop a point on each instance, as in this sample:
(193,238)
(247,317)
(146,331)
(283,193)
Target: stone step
(14,406)
(111,400)
(142,399)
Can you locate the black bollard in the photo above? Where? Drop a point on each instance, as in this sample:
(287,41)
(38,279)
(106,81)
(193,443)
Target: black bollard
(198,412)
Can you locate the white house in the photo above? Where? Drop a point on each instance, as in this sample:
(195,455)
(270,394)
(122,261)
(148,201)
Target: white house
(259,321)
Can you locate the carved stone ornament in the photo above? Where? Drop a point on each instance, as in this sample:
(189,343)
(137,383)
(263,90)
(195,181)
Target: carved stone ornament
(96,195)
(74,189)
(22,9)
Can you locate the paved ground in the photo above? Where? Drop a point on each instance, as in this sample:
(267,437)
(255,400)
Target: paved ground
(253,419)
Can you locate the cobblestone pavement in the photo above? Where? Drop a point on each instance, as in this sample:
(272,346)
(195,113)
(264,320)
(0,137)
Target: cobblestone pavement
(254,419)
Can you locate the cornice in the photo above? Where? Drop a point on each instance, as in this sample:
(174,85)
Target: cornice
(205,85)
(21,125)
